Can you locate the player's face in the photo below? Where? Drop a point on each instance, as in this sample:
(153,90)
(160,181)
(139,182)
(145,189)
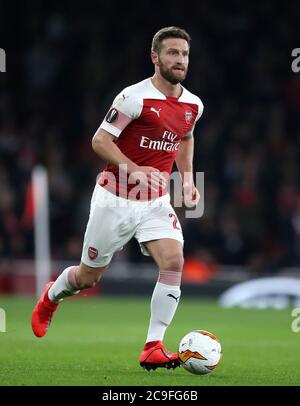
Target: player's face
(173,60)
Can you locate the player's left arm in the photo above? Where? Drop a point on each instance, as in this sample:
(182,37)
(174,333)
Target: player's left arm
(184,163)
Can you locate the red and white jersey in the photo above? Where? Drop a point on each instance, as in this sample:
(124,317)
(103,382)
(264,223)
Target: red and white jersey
(148,127)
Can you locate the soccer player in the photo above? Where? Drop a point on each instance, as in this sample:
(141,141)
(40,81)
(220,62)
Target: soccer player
(149,125)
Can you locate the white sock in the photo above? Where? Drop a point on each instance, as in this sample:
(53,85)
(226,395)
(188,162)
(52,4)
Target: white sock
(62,287)
(164,303)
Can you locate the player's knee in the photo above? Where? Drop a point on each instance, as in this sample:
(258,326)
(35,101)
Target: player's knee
(87,279)
(86,284)
(173,262)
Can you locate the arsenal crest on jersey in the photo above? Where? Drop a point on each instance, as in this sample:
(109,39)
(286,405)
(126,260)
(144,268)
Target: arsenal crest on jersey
(188,116)
(93,253)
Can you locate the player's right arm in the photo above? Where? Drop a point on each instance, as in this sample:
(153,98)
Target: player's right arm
(125,109)
(104,146)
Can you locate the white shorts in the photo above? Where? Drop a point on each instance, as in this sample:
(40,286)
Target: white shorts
(115,220)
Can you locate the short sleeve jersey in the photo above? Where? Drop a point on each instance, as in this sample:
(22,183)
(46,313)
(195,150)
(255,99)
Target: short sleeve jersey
(148,127)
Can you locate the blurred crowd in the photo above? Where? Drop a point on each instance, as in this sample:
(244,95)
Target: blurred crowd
(66,63)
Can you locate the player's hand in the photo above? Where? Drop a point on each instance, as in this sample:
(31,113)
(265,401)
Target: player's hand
(149,177)
(191,196)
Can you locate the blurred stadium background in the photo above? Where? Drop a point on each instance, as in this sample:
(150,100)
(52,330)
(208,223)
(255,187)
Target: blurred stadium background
(65,64)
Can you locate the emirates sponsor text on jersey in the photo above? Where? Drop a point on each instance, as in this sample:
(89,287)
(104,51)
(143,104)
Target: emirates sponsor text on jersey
(165,144)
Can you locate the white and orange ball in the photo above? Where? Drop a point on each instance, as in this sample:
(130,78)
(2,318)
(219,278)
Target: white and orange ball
(200,352)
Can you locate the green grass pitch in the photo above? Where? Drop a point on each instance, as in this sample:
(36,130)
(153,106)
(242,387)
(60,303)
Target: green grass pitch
(98,342)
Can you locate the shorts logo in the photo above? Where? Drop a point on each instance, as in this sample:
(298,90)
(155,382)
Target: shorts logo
(188,116)
(112,115)
(93,253)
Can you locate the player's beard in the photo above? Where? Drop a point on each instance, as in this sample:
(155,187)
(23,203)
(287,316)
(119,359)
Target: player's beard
(169,75)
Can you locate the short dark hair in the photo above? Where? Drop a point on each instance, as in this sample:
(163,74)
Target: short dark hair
(168,32)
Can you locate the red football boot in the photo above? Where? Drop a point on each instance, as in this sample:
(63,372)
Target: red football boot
(43,313)
(156,356)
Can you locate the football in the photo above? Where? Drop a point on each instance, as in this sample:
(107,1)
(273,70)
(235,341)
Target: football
(200,352)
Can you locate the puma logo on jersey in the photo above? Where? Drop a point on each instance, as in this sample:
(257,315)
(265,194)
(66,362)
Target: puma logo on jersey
(155,111)
(173,297)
